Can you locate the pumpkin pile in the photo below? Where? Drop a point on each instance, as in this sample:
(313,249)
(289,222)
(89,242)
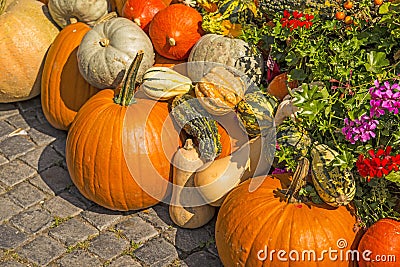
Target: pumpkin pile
(166,101)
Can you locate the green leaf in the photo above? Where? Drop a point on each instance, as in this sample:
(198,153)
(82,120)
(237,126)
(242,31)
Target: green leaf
(298,74)
(384,8)
(375,61)
(393,176)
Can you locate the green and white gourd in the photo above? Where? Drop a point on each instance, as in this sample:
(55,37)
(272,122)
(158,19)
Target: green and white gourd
(334,187)
(162,83)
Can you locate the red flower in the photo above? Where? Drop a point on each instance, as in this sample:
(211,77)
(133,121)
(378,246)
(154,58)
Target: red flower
(286,14)
(297,14)
(309,17)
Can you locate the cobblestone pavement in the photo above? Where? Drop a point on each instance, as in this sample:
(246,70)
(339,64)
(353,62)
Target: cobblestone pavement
(45,221)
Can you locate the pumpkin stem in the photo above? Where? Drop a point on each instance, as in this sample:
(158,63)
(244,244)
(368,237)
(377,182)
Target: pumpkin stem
(73,20)
(104,42)
(125,97)
(137,21)
(106,17)
(298,180)
(188,144)
(2,6)
(171,41)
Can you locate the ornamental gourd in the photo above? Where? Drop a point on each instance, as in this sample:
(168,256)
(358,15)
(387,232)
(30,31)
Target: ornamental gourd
(252,226)
(64,90)
(231,52)
(383,240)
(26,34)
(64,12)
(162,83)
(220,90)
(117,149)
(142,11)
(107,50)
(175,30)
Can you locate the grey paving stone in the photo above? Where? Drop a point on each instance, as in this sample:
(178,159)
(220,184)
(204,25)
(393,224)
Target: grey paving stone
(157,252)
(60,207)
(12,263)
(100,217)
(29,104)
(26,195)
(75,198)
(11,237)
(49,130)
(201,259)
(59,145)
(108,245)
(15,172)
(124,261)
(72,231)
(42,158)
(56,178)
(136,229)
(34,117)
(32,220)
(3,160)
(2,189)
(189,239)
(39,183)
(158,216)
(212,248)
(16,146)
(40,138)
(79,258)
(5,130)
(42,250)
(8,208)
(7,110)
(18,121)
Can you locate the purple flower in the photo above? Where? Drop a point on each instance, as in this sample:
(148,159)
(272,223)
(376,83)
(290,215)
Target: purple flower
(384,97)
(360,129)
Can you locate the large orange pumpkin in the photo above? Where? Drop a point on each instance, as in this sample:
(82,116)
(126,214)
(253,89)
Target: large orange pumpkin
(142,11)
(382,239)
(111,144)
(26,34)
(278,87)
(252,225)
(64,90)
(175,30)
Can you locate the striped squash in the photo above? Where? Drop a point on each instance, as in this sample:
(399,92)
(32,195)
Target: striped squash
(334,187)
(256,112)
(162,83)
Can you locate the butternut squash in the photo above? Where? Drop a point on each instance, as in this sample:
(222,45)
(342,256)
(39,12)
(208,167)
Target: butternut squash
(217,179)
(188,209)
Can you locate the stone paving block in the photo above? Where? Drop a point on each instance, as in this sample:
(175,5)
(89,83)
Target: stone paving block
(189,239)
(34,117)
(79,258)
(18,121)
(42,158)
(108,245)
(125,261)
(32,220)
(201,259)
(8,208)
(156,253)
(100,217)
(5,130)
(2,189)
(42,250)
(7,110)
(136,229)
(158,216)
(11,237)
(75,198)
(3,160)
(32,103)
(56,178)
(212,248)
(15,172)
(39,183)
(49,130)
(40,138)
(72,231)
(16,146)
(60,207)
(26,195)
(59,145)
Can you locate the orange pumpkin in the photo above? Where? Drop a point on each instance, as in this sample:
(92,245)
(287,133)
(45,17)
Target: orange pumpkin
(118,5)
(278,87)
(383,240)
(175,30)
(114,148)
(252,226)
(142,11)
(64,90)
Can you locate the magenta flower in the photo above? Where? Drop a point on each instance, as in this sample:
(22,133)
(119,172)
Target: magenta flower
(384,97)
(360,129)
